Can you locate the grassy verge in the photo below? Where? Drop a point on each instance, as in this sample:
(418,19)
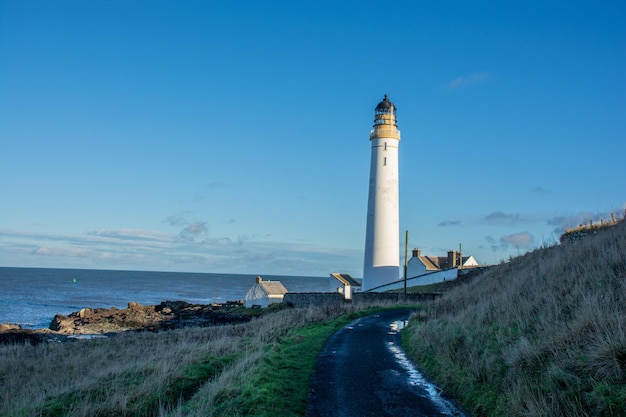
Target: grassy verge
(258,368)
(279,387)
(542,335)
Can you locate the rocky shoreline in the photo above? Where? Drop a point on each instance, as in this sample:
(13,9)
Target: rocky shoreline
(99,322)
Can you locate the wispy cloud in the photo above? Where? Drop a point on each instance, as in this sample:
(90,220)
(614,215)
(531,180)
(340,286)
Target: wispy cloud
(563,222)
(130,234)
(206,190)
(446,223)
(193,231)
(522,240)
(189,250)
(501,218)
(472,79)
(177,219)
(493,244)
(64,251)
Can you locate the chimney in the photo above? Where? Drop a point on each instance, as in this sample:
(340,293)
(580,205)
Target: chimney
(451,258)
(259,279)
(416,253)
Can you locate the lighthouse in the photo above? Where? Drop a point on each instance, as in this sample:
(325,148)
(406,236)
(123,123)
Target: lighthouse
(382,239)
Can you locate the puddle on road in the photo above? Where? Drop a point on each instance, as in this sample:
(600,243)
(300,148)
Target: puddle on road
(416,379)
(398,325)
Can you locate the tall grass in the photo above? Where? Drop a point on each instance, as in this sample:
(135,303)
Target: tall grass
(542,335)
(244,369)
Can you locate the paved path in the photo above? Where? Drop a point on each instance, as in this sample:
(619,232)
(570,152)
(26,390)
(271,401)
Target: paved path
(362,371)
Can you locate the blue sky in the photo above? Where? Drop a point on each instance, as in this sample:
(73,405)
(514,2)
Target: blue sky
(225,137)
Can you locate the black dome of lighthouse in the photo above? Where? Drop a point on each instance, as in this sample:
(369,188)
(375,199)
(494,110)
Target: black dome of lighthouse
(385,106)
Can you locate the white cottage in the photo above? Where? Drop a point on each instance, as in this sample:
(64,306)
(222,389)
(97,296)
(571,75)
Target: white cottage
(422,264)
(264,293)
(344,284)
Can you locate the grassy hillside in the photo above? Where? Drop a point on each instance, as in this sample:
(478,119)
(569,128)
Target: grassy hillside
(260,368)
(542,335)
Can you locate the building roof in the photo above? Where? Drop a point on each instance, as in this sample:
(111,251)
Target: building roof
(272,287)
(346,279)
(430,262)
(435,263)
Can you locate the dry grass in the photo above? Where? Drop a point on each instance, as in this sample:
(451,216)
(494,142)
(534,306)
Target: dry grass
(601,224)
(190,372)
(119,376)
(542,335)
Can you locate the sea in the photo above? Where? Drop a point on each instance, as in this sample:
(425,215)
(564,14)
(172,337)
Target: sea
(31,297)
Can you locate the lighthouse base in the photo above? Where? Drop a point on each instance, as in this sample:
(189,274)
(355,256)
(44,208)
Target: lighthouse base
(379,275)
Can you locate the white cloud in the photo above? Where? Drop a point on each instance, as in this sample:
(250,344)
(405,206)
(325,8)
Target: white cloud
(522,240)
(62,251)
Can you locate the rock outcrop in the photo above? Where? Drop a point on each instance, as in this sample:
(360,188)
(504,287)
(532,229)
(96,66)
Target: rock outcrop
(103,320)
(167,315)
(164,316)
(7,327)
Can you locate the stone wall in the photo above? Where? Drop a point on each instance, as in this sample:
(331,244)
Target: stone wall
(583,231)
(395,297)
(305,299)
(580,234)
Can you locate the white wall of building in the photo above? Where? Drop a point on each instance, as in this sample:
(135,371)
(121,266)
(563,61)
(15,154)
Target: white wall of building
(256,296)
(415,267)
(430,278)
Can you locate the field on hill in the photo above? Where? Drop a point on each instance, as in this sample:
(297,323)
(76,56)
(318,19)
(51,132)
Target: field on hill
(541,335)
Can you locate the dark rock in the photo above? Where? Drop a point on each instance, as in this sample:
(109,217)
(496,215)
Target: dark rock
(172,306)
(21,337)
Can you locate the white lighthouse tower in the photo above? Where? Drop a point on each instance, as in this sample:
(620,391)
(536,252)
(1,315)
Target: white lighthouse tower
(382,239)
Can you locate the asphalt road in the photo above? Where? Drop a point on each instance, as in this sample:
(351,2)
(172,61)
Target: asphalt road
(362,371)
